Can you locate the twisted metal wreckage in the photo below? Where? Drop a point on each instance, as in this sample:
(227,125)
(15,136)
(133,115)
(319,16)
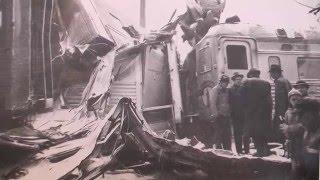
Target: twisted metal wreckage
(124,140)
(93,139)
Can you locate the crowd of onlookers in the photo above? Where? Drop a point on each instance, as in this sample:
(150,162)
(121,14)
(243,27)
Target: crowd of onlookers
(246,107)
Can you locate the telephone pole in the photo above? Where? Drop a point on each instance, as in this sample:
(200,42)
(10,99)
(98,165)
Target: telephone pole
(143,13)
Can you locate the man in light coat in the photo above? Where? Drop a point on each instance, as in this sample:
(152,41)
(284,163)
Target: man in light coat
(220,109)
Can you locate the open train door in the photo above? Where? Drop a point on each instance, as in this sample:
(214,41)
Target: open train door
(161,94)
(150,78)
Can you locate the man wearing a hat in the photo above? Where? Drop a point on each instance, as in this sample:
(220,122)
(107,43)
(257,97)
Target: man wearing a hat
(257,98)
(237,113)
(220,109)
(282,88)
(303,87)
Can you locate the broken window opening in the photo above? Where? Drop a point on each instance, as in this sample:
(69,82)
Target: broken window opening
(308,68)
(237,57)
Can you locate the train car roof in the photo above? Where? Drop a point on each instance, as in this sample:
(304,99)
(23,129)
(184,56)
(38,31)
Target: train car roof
(263,33)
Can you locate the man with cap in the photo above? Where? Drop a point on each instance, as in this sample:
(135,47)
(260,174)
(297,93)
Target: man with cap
(282,88)
(220,109)
(302,87)
(258,109)
(237,113)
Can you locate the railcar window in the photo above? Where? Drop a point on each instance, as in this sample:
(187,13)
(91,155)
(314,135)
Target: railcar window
(237,57)
(274,60)
(308,68)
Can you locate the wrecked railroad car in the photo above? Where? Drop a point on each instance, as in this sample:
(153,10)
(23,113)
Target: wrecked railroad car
(34,35)
(144,70)
(149,76)
(68,40)
(229,48)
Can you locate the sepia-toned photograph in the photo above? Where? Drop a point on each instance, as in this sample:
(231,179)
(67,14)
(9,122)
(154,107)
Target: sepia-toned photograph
(159,89)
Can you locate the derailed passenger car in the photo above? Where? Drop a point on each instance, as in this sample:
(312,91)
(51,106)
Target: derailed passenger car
(229,48)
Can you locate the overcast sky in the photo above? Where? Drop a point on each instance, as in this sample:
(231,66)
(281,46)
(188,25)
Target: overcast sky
(286,13)
(279,13)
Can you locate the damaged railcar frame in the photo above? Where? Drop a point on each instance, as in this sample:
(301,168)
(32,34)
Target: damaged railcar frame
(148,73)
(32,33)
(74,27)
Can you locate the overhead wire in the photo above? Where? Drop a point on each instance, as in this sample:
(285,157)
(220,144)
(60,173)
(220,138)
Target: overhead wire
(118,32)
(303,4)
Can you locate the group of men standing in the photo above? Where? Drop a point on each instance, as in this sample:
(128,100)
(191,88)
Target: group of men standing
(247,107)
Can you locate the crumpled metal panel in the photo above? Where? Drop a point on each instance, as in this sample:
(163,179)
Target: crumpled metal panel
(100,79)
(82,22)
(113,22)
(87,19)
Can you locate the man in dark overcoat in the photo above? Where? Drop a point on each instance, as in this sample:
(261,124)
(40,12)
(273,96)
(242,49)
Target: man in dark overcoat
(258,110)
(237,114)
